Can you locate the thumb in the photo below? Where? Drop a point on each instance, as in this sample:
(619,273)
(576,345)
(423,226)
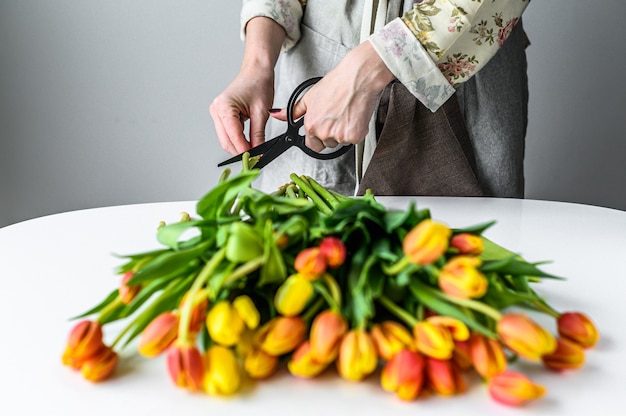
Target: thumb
(299,108)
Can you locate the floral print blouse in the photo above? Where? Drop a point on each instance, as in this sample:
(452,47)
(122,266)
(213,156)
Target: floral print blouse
(431,49)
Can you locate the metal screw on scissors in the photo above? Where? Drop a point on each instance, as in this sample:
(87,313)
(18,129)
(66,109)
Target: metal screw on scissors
(273,148)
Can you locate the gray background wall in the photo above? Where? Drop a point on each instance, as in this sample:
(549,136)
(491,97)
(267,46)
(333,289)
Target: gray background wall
(105,103)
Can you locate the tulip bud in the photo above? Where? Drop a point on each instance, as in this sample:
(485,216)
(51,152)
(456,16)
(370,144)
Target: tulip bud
(101,365)
(460,278)
(84,340)
(259,364)
(514,389)
(462,355)
(433,340)
(457,328)
(224,324)
(128,292)
(281,335)
(303,363)
(467,243)
(327,329)
(158,335)
(357,355)
(577,327)
(293,295)
(334,251)
(310,263)
(198,309)
(444,377)
(390,338)
(247,311)
(426,242)
(185,365)
(487,355)
(524,336)
(222,376)
(404,374)
(568,355)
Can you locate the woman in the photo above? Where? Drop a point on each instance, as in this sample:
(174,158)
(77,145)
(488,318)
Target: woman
(407,82)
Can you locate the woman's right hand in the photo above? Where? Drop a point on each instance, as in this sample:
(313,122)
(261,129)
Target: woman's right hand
(251,94)
(248,97)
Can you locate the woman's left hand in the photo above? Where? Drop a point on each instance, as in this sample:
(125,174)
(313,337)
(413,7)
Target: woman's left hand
(338,108)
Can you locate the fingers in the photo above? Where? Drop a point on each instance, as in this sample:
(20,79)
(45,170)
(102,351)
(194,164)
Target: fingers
(257,127)
(229,127)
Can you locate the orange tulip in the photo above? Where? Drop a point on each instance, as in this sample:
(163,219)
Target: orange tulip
(487,355)
(333,250)
(467,243)
(524,336)
(460,278)
(281,335)
(514,389)
(444,377)
(84,341)
(303,362)
(199,308)
(404,374)
(462,355)
(185,365)
(457,328)
(433,340)
(426,242)
(101,365)
(327,329)
(128,292)
(568,355)
(158,335)
(390,338)
(577,327)
(310,263)
(357,355)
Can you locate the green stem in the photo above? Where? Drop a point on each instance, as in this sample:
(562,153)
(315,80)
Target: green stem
(244,270)
(312,311)
(545,308)
(308,190)
(409,319)
(328,197)
(473,304)
(397,266)
(335,290)
(204,274)
(225,174)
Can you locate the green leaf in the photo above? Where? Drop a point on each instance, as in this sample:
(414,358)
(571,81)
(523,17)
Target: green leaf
(105,302)
(244,243)
(514,266)
(274,269)
(169,235)
(217,201)
(170,263)
(477,229)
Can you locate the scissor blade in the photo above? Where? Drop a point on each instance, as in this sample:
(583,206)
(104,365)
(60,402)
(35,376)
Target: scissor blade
(255,151)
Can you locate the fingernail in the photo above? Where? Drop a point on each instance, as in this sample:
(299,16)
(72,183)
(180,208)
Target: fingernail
(274,110)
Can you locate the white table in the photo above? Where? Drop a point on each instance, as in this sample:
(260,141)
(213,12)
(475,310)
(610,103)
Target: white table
(56,266)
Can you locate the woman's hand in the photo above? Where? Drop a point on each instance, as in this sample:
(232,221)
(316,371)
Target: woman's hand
(338,108)
(250,95)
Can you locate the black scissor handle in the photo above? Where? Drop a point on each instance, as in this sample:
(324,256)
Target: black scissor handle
(293,129)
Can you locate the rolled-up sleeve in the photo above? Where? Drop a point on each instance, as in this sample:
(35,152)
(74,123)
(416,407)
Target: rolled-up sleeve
(287,13)
(439,44)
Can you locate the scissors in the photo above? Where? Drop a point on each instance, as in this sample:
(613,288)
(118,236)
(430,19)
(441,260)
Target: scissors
(273,148)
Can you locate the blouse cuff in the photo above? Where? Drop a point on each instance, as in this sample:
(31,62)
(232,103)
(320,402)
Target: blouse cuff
(287,14)
(411,64)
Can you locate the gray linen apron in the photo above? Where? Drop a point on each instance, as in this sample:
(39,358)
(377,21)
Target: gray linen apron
(332,28)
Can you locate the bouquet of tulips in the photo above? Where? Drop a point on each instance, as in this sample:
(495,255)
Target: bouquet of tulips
(310,279)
